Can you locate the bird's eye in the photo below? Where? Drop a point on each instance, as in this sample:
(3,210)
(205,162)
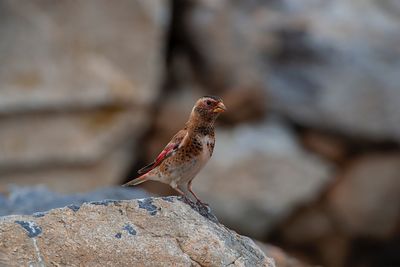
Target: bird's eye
(208,102)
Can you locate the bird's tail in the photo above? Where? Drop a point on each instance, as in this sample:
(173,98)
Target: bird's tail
(137,181)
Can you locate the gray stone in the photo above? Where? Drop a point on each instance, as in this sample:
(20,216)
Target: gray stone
(176,235)
(39,199)
(325,64)
(258,175)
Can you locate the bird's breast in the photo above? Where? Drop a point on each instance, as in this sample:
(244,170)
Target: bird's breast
(207,144)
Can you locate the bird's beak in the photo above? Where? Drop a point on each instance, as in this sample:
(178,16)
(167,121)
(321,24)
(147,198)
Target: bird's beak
(220,108)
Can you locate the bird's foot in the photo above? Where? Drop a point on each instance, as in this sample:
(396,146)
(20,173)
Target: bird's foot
(199,202)
(203,208)
(187,200)
(198,205)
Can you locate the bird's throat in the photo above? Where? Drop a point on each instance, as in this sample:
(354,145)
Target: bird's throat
(202,125)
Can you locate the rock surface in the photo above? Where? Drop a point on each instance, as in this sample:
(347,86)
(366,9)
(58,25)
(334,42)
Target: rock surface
(75,96)
(258,175)
(29,200)
(146,232)
(326,64)
(108,54)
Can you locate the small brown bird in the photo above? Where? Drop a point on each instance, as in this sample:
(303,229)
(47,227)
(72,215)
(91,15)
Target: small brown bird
(188,151)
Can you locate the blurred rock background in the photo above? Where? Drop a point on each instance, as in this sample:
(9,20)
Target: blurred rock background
(308,156)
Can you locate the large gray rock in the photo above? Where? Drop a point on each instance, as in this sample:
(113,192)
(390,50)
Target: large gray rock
(147,232)
(258,175)
(75,93)
(326,64)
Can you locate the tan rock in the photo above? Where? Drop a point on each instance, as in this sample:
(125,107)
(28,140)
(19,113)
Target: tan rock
(75,96)
(84,137)
(147,232)
(108,54)
(72,178)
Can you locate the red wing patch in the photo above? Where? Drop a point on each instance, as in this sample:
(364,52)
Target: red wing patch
(167,152)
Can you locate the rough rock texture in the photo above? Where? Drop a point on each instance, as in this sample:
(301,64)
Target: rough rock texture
(269,176)
(75,96)
(147,232)
(328,64)
(29,200)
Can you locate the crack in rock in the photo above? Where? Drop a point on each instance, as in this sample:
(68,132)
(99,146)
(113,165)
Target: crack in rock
(233,263)
(178,242)
(40,262)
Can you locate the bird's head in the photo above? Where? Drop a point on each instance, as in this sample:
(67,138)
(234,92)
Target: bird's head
(209,107)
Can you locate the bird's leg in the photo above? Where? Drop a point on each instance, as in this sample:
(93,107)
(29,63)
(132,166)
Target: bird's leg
(185,198)
(176,188)
(189,187)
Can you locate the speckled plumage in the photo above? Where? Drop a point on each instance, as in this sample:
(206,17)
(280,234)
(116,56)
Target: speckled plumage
(188,151)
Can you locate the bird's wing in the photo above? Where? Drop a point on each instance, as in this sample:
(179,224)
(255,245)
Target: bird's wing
(175,143)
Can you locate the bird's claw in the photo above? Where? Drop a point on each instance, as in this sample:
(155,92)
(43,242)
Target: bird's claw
(202,203)
(202,207)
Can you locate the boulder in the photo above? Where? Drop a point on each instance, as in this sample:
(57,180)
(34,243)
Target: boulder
(144,232)
(109,54)
(325,64)
(258,175)
(75,94)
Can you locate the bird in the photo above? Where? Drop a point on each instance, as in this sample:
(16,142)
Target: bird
(188,151)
